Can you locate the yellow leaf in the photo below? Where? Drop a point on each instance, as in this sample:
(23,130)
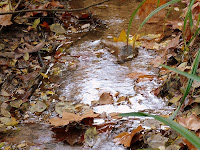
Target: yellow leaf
(121,38)
(44,75)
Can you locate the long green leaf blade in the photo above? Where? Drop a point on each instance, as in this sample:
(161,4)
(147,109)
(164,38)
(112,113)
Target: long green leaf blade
(131,20)
(191,137)
(191,76)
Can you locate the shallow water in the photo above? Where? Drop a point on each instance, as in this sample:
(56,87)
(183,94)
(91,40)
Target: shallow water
(97,72)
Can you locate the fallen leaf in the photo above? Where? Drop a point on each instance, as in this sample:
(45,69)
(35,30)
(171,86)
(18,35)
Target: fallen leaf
(91,136)
(106,98)
(5,19)
(56,4)
(57,28)
(4,93)
(175,99)
(36,23)
(5,112)
(191,122)
(157,140)
(115,115)
(16,103)
(38,107)
(9,121)
(121,38)
(148,7)
(190,146)
(125,138)
(71,117)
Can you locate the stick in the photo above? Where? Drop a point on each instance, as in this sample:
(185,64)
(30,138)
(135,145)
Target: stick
(52,10)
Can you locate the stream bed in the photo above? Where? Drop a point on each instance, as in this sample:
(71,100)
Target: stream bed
(96,71)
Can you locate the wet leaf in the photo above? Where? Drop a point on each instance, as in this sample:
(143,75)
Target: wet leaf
(115,115)
(91,136)
(191,122)
(38,107)
(125,138)
(57,28)
(106,98)
(64,106)
(16,103)
(71,117)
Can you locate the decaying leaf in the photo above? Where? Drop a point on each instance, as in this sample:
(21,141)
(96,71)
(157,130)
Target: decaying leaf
(38,107)
(191,122)
(106,98)
(57,28)
(125,138)
(71,117)
(16,103)
(8,121)
(157,140)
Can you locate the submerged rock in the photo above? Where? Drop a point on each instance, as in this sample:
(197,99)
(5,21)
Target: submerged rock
(123,52)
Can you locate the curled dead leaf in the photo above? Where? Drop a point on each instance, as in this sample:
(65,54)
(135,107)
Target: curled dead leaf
(106,98)
(125,138)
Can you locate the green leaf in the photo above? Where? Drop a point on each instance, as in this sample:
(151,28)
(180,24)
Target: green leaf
(188,75)
(190,136)
(36,23)
(131,20)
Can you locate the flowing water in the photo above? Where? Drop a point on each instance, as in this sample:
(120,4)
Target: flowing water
(96,72)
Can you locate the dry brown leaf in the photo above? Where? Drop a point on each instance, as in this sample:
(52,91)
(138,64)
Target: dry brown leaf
(56,4)
(115,115)
(173,43)
(125,138)
(157,61)
(5,19)
(148,7)
(191,122)
(106,98)
(71,117)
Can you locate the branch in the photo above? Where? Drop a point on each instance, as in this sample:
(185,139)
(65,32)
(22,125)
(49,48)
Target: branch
(54,10)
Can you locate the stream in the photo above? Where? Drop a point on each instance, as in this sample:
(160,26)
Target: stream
(96,71)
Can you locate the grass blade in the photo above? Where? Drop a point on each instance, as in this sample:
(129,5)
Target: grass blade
(131,20)
(155,11)
(188,75)
(190,136)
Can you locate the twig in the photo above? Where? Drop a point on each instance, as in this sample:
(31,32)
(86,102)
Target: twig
(54,10)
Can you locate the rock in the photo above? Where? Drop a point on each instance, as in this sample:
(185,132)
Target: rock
(121,50)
